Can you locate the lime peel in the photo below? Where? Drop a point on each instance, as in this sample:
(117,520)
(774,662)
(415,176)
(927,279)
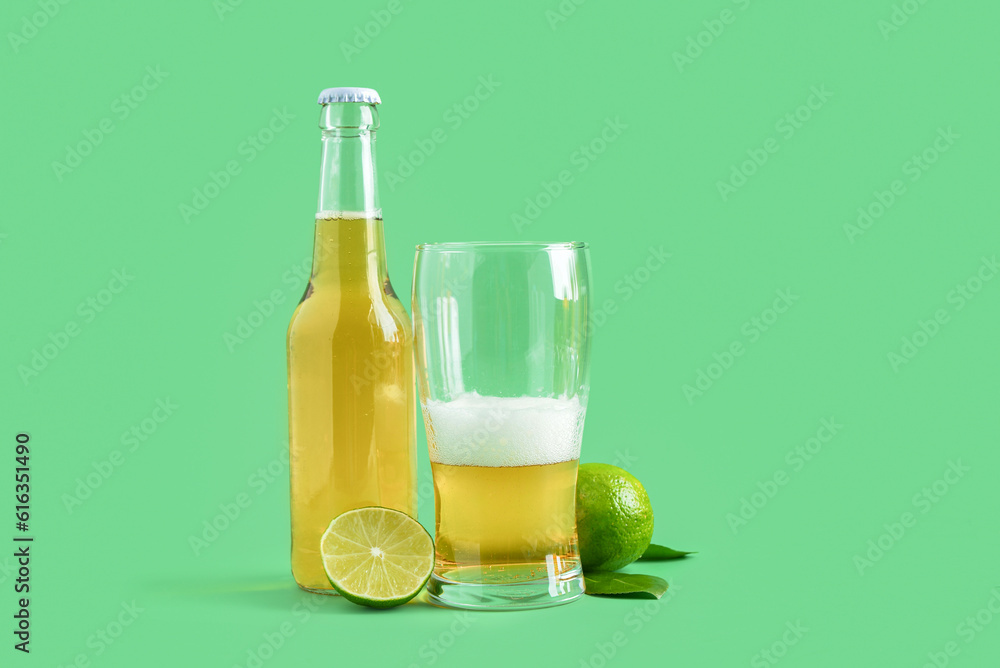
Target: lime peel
(614,518)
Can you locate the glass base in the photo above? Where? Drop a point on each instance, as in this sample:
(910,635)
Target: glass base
(469,588)
(326,592)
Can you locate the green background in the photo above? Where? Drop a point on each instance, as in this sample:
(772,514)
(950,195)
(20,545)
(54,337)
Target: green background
(793,558)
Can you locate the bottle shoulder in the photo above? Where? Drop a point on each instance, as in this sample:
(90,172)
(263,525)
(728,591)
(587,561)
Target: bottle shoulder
(326,310)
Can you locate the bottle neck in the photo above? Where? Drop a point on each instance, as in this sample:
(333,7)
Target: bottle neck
(348,179)
(350,252)
(349,247)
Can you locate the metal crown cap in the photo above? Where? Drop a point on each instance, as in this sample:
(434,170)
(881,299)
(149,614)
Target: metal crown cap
(349,94)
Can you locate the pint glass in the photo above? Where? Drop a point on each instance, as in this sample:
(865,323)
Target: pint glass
(503,347)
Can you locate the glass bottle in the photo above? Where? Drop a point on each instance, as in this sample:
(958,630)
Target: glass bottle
(352,429)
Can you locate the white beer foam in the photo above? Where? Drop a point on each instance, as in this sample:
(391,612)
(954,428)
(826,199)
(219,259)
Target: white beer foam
(348,215)
(474,430)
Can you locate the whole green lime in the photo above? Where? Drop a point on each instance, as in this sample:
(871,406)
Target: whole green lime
(614,519)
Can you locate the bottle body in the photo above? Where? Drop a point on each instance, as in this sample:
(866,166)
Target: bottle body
(352,429)
(352,420)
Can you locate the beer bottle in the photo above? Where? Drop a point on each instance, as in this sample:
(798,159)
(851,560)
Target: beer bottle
(352,429)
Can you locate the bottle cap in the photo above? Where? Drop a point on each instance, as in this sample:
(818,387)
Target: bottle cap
(349,94)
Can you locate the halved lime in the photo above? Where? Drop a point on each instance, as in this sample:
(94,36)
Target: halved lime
(377,556)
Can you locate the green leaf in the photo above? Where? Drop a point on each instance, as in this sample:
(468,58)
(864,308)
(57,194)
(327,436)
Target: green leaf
(631,585)
(659,553)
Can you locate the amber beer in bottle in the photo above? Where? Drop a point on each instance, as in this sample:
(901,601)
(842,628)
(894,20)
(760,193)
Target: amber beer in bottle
(352,429)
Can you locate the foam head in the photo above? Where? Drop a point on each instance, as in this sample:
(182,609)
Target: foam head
(474,430)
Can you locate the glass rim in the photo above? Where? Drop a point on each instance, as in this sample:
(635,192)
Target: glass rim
(522,246)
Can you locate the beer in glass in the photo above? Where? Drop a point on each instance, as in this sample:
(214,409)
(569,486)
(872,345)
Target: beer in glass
(502,359)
